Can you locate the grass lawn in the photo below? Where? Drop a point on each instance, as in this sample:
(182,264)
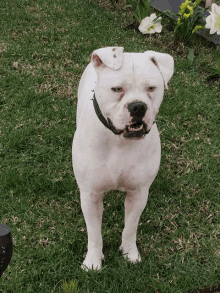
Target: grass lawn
(44,48)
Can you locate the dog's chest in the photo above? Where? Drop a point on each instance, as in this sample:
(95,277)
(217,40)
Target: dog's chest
(123,170)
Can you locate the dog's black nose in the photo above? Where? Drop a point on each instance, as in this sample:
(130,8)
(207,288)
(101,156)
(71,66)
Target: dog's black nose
(137,109)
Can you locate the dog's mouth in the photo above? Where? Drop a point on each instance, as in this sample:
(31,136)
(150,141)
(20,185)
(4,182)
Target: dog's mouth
(136,130)
(136,126)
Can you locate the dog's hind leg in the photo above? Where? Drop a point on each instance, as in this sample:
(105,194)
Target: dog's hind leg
(135,203)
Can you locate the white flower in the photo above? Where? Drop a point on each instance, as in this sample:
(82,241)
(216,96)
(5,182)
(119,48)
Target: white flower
(213,20)
(149,26)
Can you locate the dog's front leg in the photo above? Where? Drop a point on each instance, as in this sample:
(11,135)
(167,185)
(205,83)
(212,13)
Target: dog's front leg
(135,203)
(92,207)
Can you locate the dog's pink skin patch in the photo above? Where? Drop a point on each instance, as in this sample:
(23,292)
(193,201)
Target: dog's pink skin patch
(97,60)
(122,95)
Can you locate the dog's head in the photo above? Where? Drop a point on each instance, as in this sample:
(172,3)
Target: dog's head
(130,87)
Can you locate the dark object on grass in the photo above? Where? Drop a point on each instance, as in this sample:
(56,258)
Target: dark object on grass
(5,247)
(133,26)
(113,2)
(212,289)
(213,77)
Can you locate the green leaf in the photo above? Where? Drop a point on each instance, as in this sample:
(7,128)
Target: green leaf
(218,64)
(215,70)
(147,4)
(190,55)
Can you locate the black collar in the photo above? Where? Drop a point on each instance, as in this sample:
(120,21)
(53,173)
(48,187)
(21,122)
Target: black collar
(108,123)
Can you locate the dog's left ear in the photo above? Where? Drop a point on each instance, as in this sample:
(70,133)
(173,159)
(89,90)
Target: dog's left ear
(165,64)
(109,56)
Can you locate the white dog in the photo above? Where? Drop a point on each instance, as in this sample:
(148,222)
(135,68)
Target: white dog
(117,144)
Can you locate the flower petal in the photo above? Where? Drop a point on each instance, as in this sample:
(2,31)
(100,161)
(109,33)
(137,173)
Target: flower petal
(158,20)
(146,19)
(158,28)
(145,23)
(217,25)
(209,21)
(215,9)
(153,16)
(212,30)
(142,29)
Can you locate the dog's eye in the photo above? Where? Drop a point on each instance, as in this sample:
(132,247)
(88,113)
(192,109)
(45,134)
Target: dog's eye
(151,88)
(117,89)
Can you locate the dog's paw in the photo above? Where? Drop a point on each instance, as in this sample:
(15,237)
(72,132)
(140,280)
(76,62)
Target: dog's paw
(92,262)
(130,253)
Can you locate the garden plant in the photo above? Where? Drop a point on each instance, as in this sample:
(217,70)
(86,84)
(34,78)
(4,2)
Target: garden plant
(185,23)
(142,9)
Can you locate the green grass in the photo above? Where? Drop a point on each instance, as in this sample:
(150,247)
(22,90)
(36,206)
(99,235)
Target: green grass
(44,48)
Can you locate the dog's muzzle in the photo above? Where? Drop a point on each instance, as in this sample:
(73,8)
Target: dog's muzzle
(137,129)
(137,110)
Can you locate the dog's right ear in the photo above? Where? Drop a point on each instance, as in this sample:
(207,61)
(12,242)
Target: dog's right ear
(164,63)
(109,56)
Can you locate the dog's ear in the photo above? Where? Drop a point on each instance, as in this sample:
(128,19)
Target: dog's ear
(165,64)
(109,56)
